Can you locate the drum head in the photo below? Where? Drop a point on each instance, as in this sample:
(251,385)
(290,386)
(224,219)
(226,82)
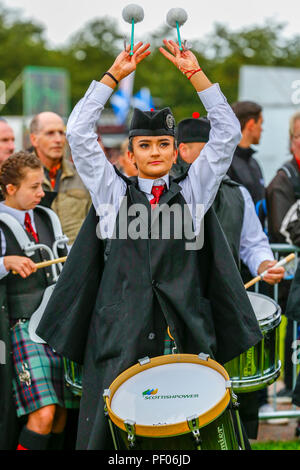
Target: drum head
(171,392)
(263,306)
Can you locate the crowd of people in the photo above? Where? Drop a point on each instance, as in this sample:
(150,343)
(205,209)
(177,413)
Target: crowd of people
(115,297)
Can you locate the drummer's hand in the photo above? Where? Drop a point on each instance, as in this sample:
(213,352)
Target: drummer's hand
(125,64)
(187,63)
(274,275)
(20,265)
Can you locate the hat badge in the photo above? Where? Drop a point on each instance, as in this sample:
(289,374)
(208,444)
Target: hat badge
(170,121)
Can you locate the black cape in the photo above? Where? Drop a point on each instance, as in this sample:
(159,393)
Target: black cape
(66,322)
(293,303)
(293,313)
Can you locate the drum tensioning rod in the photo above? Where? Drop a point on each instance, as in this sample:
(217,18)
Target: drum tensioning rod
(277,265)
(235,406)
(106,394)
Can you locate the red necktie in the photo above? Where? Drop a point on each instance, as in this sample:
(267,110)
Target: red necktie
(29,227)
(157,192)
(53,173)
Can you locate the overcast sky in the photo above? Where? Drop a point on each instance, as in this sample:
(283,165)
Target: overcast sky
(62,18)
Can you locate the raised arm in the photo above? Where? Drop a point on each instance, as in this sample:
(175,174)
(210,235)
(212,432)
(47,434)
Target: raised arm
(207,171)
(95,170)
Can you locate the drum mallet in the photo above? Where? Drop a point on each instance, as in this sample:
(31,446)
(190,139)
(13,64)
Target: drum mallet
(132,14)
(176,17)
(45,264)
(277,265)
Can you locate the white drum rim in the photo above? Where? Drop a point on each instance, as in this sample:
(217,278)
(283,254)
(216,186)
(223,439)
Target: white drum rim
(167,430)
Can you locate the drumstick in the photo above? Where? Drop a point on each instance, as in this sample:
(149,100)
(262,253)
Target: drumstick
(176,17)
(133,14)
(277,265)
(45,264)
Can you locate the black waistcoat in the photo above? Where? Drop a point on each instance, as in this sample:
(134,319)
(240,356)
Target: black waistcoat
(25,295)
(229,206)
(157,280)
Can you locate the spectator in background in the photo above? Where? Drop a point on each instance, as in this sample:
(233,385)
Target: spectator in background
(125,163)
(283,195)
(47,135)
(7,141)
(244,168)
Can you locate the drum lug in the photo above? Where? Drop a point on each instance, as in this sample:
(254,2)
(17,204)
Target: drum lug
(203,356)
(106,394)
(194,425)
(130,428)
(144,360)
(235,403)
(228,384)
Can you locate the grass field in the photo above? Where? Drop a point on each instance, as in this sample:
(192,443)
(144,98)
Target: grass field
(288,445)
(278,445)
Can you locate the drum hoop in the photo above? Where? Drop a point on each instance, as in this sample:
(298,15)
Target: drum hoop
(169,429)
(271,320)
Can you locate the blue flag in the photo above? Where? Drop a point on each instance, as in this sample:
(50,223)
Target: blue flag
(143,100)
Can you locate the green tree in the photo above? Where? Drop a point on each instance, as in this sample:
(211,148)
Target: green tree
(22,43)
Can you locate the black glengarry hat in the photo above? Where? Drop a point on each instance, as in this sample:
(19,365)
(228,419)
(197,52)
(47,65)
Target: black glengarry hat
(193,130)
(152,123)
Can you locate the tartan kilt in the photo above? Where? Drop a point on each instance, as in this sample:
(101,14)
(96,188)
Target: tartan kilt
(39,374)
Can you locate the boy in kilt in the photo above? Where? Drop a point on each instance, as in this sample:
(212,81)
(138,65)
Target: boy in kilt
(34,372)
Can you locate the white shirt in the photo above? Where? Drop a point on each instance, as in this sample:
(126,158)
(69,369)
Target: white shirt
(204,176)
(254,245)
(20,217)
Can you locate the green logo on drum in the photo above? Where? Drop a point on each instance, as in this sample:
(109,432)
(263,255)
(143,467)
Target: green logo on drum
(150,392)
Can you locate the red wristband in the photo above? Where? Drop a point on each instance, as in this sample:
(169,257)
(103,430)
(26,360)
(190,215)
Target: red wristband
(193,73)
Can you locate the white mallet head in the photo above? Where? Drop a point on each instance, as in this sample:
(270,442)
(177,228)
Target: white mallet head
(133,12)
(176,15)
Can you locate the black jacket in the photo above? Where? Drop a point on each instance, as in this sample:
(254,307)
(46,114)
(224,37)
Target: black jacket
(86,322)
(280,195)
(245,170)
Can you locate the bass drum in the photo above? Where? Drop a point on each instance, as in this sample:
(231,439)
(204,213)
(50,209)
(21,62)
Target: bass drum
(172,402)
(260,365)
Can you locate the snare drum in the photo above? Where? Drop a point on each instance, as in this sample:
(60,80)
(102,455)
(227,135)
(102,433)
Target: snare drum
(259,366)
(73,376)
(172,402)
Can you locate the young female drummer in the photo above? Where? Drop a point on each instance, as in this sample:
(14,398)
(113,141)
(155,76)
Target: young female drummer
(38,383)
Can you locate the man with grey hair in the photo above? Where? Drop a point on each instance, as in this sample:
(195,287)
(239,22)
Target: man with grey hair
(47,135)
(7,140)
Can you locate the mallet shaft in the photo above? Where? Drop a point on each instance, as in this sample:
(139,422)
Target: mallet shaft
(179,38)
(45,264)
(132,37)
(277,265)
